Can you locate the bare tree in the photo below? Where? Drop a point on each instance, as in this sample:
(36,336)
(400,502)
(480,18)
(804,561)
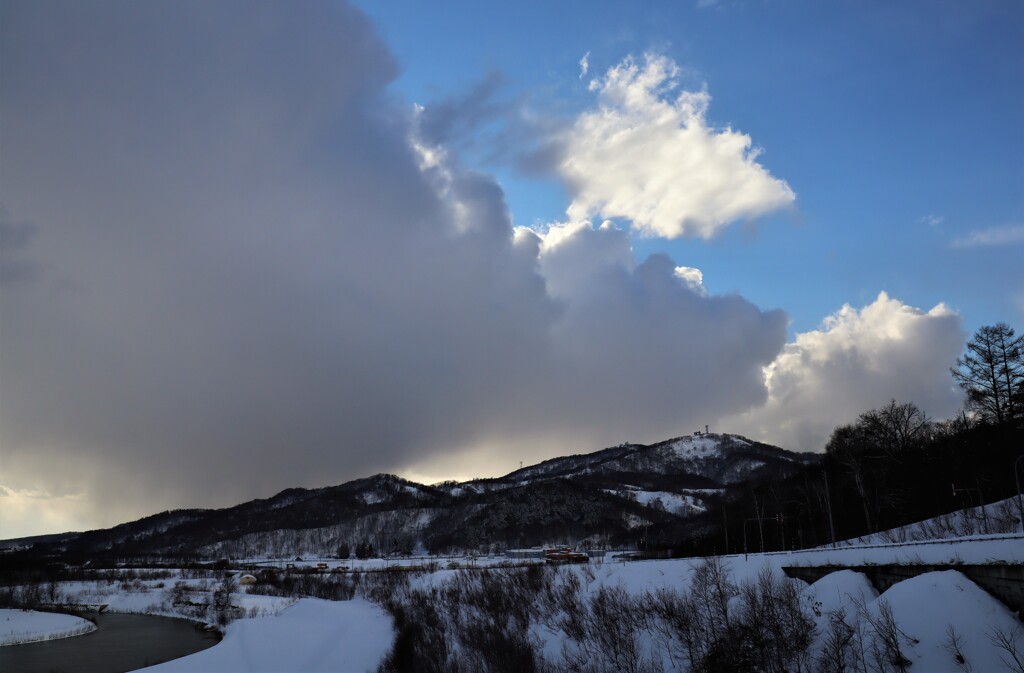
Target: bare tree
(775,625)
(895,428)
(882,439)
(885,639)
(848,447)
(838,649)
(222,598)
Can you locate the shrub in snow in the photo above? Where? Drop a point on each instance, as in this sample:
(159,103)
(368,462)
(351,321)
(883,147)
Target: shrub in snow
(773,625)
(886,638)
(1011,645)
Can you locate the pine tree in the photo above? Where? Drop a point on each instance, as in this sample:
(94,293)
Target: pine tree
(992,374)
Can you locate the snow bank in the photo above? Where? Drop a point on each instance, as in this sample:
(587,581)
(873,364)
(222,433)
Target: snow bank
(926,606)
(29,626)
(842,590)
(312,635)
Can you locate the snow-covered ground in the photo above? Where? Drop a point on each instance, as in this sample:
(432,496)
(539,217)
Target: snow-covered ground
(29,626)
(927,608)
(279,633)
(996,518)
(311,635)
(410,562)
(639,576)
(677,503)
(152,596)
(975,549)
(696,447)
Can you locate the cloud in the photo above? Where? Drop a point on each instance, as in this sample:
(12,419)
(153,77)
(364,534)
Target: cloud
(27,511)
(857,361)
(932,220)
(15,239)
(1011,234)
(256,268)
(692,277)
(639,336)
(460,118)
(251,277)
(584,65)
(647,154)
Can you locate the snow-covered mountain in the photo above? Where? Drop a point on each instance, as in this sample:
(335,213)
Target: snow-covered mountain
(603,497)
(719,459)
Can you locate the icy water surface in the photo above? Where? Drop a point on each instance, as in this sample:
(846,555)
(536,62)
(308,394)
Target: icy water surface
(120,643)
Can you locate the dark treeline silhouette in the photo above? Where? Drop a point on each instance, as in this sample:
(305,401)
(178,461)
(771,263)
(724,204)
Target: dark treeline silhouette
(873,487)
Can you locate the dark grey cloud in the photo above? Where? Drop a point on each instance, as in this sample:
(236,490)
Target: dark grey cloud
(247,282)
(459,118)
(15,239)
(496,125)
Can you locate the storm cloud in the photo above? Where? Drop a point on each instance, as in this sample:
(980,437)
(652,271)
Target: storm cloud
(248,278)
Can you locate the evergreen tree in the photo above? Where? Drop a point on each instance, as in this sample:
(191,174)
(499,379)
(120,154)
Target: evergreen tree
(992,374)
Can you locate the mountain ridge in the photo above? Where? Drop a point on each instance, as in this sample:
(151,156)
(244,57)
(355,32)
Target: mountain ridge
(604,495)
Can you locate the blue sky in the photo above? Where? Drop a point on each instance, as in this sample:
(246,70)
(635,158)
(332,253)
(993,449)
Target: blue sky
(898,125)
(235,257)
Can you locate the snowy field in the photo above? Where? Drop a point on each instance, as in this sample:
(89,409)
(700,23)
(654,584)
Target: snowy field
(942,620)
(29,626)
(925,607)
(152,597)
(424,562)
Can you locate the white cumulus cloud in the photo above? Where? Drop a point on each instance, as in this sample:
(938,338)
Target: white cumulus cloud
(858,360)
(693,277)
(648,154)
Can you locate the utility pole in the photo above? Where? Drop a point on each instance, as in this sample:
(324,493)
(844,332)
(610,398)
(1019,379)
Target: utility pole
(725,527)
(1016,478)
(828,506)
(758,519)
(984,517)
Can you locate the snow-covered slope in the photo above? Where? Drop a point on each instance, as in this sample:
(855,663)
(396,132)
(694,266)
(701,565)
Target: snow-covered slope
(995,518)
